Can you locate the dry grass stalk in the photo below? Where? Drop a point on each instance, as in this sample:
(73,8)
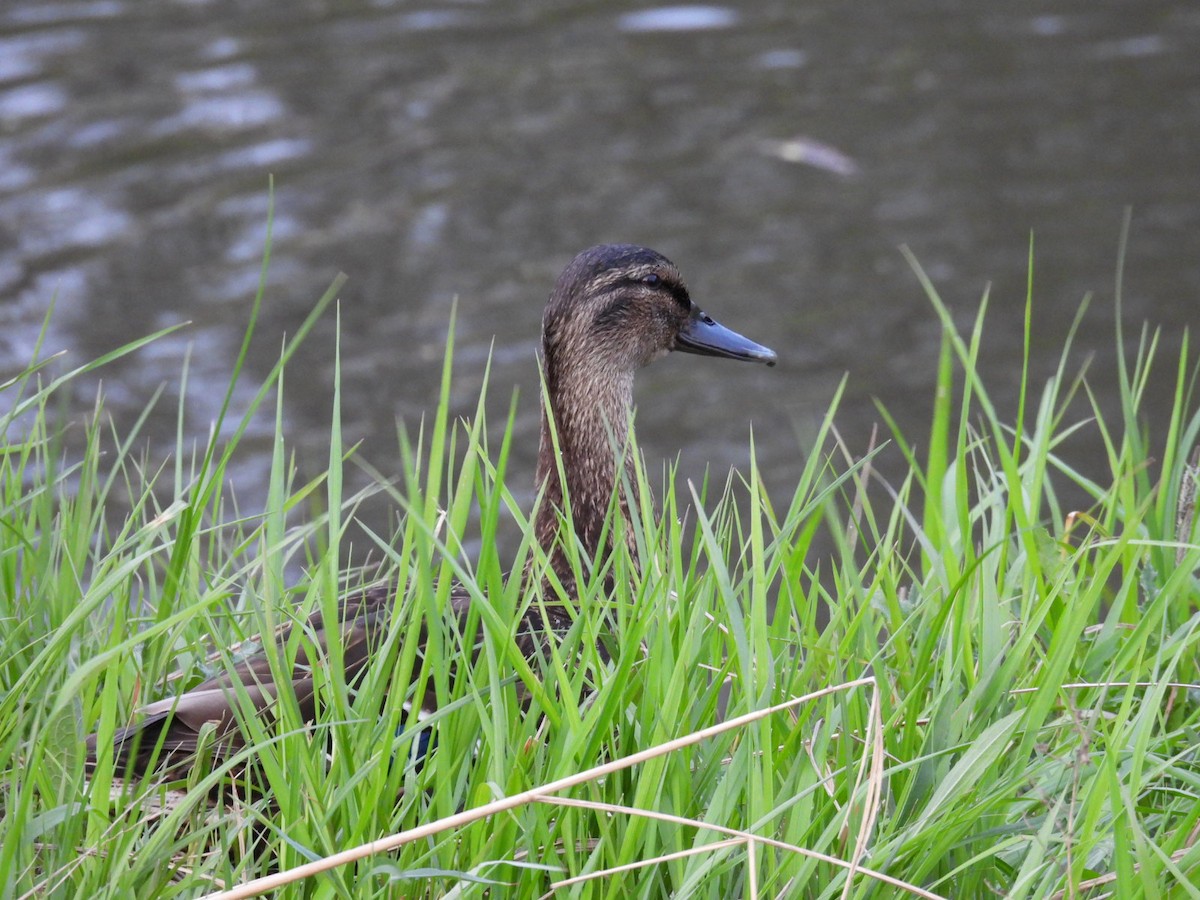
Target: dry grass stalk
(270,882)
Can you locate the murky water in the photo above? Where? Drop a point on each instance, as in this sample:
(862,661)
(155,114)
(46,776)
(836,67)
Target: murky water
(779,152)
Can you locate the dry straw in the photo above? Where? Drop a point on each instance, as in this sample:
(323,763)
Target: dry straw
(544,794)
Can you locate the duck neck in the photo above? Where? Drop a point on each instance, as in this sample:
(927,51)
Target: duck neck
(591,425)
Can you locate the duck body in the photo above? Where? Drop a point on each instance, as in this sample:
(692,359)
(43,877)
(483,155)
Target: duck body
(614,309)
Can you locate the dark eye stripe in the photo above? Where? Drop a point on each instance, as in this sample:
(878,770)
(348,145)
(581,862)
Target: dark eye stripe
(679,292)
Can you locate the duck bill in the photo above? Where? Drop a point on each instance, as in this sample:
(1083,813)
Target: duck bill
(706,337)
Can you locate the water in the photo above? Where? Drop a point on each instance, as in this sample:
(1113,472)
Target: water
(780,153)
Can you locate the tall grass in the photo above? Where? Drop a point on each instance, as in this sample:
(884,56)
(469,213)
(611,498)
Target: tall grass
(1000,695)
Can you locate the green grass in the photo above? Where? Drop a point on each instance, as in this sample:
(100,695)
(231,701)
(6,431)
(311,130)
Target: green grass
(1004,692)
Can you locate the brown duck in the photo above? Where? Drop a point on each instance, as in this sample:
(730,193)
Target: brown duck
(614,309)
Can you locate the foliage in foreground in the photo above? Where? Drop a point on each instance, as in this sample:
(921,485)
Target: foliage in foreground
(1007,692)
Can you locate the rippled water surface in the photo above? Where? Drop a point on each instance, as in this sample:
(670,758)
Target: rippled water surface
(779,152)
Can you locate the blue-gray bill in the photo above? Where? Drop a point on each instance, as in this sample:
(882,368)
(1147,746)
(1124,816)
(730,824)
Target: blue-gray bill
(706,337)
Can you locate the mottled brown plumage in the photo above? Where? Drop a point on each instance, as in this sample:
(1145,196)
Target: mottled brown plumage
(614,309)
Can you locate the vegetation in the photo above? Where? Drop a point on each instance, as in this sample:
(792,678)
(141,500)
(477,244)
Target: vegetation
(998,696)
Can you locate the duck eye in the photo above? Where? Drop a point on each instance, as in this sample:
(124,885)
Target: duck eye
(652,280)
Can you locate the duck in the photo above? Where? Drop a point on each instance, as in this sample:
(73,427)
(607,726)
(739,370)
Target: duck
(615,309)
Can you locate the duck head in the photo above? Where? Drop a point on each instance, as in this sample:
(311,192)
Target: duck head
(619,307)
(614,309)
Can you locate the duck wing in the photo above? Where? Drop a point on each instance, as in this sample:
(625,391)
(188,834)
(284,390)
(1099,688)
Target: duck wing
(171,730)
